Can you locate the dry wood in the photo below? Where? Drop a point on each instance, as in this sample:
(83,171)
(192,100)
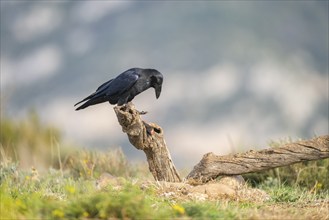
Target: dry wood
(212,166)
(149,138)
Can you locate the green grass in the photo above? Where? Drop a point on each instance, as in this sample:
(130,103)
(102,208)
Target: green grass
(52,195)
(312,175)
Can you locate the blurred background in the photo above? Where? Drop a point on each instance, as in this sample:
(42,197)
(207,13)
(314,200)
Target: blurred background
(237,74)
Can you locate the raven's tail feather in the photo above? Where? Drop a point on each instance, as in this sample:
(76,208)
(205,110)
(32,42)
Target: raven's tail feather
(85,105)
(92,101)
(85,99)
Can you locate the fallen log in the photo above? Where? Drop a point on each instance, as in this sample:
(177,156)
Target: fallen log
(212,166)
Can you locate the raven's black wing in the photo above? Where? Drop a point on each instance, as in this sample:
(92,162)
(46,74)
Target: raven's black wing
(122,83)
(113,87)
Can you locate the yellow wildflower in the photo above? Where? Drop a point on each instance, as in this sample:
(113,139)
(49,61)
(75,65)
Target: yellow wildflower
(21,205)
(70,189)
(318,185)
(57,213)
(179,209)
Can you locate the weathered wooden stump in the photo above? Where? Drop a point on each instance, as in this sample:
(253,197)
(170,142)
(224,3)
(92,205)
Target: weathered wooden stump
(149,138)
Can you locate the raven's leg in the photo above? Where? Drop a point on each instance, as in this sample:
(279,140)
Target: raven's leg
(130,103)
(139,112)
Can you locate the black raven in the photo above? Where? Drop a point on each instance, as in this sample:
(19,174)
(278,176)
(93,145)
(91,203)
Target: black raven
(125,87)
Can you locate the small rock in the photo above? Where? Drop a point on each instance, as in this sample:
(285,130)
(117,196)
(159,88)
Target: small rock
(214,189)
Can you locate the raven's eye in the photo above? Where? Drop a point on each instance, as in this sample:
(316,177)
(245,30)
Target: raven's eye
(159,80)
(153,80)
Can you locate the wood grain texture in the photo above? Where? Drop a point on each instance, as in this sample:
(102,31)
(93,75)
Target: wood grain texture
(149,138)
(211,166)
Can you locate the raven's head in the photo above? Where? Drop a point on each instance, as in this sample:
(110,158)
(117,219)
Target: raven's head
(156,82)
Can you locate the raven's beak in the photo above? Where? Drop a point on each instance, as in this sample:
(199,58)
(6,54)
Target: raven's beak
(157,89)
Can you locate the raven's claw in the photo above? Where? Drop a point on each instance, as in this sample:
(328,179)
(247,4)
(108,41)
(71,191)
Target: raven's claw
(142,112)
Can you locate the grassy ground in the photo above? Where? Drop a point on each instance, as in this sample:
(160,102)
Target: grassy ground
(68,190)
(57,195)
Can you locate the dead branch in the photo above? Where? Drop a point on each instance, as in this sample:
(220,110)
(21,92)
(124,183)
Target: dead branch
(211,166)
(149,138)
